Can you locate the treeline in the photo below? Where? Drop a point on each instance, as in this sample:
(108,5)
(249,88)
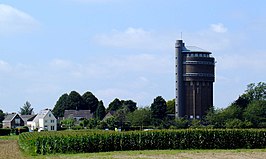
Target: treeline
(248,111)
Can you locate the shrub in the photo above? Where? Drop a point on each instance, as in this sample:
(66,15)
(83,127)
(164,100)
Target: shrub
(4,132)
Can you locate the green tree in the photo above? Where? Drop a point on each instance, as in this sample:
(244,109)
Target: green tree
(170,106)
(115,105)
(218,118)
(91,102)
(26,109)
(140,117)
(241,102)
(120,118)
(68,123)
(158,110)
(100,111)
(129,105)
(60,106)
(2,115)
(256,113)
(74,101)
(179,123)
(255,92)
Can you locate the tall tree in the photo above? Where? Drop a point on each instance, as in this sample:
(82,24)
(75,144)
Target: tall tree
(140,117)
(91,102)
(100,111)
(60,106)
(26,109)
(115,105)
(74,101)
(2,115)
(256,113)
(158,108)
(170,106)
(129,105)
(255,92)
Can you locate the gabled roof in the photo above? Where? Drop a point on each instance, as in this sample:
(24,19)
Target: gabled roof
(10,117)
(28,117)
(41,115)
(77,113)
(109,115)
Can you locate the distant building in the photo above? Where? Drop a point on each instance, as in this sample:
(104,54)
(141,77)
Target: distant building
(78,114)
(194,81)
(27,118)
(13,120)
(45,120)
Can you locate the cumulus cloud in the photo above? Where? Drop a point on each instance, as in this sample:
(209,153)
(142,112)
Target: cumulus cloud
(218,28)
(13,20)
(133,38)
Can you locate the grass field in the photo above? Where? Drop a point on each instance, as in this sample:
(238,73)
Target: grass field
(9,150)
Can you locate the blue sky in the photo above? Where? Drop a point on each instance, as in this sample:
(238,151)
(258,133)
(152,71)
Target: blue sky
(124,48)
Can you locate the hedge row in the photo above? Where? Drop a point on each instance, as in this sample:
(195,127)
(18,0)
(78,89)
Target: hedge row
(4,132)
(82,141)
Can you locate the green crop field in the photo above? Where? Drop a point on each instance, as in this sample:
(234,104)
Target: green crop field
(102,141)
(10,149)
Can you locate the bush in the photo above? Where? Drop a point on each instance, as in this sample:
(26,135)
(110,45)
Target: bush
(20,130)
(4,132)
(99,141)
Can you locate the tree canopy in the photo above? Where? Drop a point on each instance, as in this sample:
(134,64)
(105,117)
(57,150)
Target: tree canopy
(26,109)
(91,102)
(60,106)
(158,108)
(2,115)
(75,101)
(100,111)
(114,105)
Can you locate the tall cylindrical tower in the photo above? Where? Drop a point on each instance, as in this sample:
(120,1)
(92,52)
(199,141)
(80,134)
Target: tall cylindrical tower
(194,81)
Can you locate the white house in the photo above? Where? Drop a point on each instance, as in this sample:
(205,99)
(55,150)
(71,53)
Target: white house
(45,120)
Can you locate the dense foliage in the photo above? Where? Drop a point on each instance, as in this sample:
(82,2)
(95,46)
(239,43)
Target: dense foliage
(2,116)
(26,109)
(74,101)
(4,132)
(99,141)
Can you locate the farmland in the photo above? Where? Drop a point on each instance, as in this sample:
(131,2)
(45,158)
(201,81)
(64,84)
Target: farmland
(9,149)
(101,141)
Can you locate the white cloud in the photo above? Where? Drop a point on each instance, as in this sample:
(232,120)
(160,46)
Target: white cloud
(219,28)
(254,61)
(4,66)
(13,20)
(133,38)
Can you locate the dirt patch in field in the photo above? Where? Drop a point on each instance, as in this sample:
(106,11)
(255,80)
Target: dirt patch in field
(9,150)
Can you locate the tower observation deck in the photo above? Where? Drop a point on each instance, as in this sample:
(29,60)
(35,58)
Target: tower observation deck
(194,81)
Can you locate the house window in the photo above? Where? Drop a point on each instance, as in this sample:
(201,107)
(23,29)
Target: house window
(45,121)
(52,127)
(49,115)
(17,121)
(52,121)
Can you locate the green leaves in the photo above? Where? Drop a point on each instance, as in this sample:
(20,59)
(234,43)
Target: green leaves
(99,141)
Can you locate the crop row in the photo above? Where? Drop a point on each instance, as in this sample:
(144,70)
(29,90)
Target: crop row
(99,141)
